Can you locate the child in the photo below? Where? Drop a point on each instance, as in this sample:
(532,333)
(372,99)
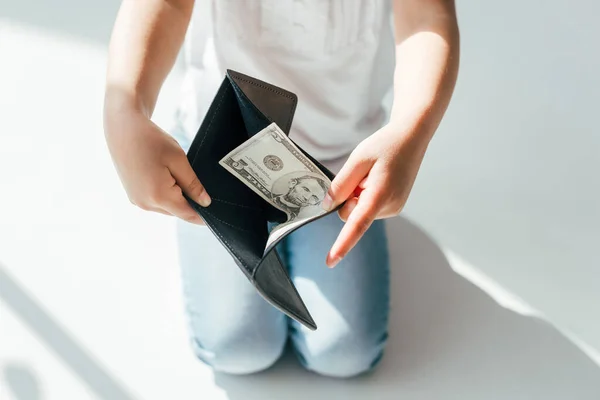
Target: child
(341,57)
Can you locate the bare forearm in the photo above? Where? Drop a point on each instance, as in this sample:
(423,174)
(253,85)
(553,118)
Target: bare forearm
(427,58)
(146,39)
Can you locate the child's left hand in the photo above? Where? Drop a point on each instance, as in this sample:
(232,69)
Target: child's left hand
(375,182)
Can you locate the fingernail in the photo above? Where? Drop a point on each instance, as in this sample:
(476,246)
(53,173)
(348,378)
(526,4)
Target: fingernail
(204,199)
(327,203)
(334,262)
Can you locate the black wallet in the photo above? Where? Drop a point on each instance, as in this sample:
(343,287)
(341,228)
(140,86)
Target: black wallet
(237,216)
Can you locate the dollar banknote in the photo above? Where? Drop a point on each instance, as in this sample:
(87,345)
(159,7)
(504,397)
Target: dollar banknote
(272,166)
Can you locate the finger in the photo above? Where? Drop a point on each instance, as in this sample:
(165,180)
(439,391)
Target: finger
(159,210)
(346,210)
(187,180)
(362,184)
(146,207)
(346,181)
(359,220)
(179,207)
(199,220)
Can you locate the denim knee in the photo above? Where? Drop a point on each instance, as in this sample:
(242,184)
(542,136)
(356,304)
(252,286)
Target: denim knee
(345,357)
(240,355)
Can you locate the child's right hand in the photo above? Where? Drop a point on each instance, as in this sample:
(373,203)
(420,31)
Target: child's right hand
(152,166)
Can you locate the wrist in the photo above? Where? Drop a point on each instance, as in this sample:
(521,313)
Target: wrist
(119,103)
(120,109)
(412,130)
(118,100)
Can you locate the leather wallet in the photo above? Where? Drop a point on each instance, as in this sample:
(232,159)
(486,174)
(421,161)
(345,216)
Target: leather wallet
(238,217)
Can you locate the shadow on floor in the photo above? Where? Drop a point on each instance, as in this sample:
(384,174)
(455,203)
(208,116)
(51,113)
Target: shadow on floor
(56,338)
(84,19)
(22,382)
(448,340)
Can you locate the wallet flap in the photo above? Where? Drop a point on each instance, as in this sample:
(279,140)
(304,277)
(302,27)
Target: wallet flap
(236,215)
(272,281)
(275,103)
(242,107)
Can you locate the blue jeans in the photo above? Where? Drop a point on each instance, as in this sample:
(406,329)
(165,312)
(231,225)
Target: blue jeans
(235,331)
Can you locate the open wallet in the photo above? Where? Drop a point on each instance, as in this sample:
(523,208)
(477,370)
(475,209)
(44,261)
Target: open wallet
(244,222)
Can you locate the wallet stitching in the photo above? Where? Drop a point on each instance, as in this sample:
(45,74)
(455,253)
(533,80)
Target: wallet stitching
(227,223)
(212,118)
(266,87)
(229,247)
(227,243)
(289,121)
(235,204)
(221,97)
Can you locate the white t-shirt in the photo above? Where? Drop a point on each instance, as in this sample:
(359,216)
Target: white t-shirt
(337,56)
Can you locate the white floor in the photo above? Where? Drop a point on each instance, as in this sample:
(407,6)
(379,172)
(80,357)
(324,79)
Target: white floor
(90,304)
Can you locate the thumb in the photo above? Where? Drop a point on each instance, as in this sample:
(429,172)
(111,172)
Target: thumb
(187,180)
(347,180)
